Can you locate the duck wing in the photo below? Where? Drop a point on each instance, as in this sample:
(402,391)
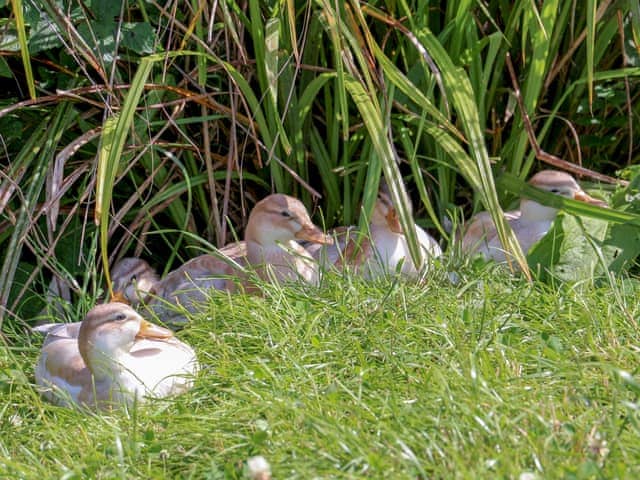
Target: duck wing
(62,371)
(57,331)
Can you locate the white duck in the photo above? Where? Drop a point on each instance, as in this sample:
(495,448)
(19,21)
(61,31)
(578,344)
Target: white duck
(117,358)
(383,249)
(530,223)
(269,248)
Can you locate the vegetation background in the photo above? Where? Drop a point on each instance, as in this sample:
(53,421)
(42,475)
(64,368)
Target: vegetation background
(140,128)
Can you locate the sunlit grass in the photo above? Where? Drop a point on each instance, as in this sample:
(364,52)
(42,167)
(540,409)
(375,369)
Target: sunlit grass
(492,377)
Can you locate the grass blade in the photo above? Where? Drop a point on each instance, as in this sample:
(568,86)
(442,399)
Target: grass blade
(459,89)
(16,6)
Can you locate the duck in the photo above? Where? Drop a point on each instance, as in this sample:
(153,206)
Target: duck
(269,249)
(383,249)
(186,289)
(529,223)
(276,225)
(117,359)
(480,225)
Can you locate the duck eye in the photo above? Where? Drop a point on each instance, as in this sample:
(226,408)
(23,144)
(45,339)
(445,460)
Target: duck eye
(120,317)
(285,214)
(554,190)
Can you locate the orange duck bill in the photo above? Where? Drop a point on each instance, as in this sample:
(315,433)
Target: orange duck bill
(150,330)
(120,297)
(311,233)
(582,196)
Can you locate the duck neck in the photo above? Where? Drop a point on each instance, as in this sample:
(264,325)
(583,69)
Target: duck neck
(383,231)
(287,261)
(103,365)
(535,212)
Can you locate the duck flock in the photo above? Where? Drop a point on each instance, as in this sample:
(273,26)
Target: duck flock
(115,357)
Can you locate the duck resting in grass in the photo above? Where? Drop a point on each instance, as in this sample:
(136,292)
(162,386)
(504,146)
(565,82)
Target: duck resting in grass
(530,223)
(383,250)
(269,249)
(117,358)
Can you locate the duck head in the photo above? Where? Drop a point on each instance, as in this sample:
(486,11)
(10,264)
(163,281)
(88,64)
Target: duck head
(385,214)
(280,218)
(109,331)
(133,279)
(559,183)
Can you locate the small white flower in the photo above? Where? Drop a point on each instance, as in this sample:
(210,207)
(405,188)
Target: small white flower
(259,468)
(527,476)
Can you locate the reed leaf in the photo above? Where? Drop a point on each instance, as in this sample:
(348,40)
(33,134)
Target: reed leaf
(393,74)
(114,135)
(384,151)
(634,8)
(16,5)
(363,92)
(591,39)
(459,90)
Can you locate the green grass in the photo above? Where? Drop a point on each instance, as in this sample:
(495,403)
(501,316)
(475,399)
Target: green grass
(489,378)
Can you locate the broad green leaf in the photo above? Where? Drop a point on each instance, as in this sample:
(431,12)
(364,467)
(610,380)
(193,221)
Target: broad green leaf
(621,247)
(568,251)
(43,33)
(139,37)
